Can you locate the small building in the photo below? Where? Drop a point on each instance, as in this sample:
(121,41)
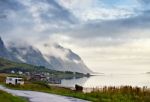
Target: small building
(20,72)
(54,81)
(12,72)
(38,77)
(14,80)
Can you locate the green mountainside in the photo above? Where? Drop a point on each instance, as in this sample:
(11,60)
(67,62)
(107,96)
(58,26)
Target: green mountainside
(7,66)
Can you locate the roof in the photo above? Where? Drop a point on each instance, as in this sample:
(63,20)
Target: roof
(14,77)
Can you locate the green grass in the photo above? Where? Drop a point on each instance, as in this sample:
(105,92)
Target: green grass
(7,66)
(6,97)
(107,94)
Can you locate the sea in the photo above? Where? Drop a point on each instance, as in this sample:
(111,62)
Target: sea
(99,81)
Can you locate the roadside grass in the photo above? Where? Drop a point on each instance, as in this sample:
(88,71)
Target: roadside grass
(107,94)
(6,97)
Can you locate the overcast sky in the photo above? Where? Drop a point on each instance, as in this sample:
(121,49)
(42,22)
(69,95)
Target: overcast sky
(110,35)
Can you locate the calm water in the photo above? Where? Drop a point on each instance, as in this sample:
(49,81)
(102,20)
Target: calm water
(110,80)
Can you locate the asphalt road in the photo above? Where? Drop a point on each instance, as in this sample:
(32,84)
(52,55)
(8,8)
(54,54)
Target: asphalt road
(34,96)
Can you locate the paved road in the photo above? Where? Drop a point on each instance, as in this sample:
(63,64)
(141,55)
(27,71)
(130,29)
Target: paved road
(34,96)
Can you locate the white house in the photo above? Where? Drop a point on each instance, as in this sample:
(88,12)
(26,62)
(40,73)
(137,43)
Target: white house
(14,80)
(12,72)
(20,72)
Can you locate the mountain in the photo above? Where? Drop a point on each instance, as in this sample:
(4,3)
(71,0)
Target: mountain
(3,51)
(64,59)
(53,56)
(7,66)
(27,54)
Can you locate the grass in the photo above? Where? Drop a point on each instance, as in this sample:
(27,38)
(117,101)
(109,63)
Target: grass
(122,94)
(6,97)
(107,94)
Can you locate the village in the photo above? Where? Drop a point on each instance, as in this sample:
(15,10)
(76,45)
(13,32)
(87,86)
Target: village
(21,78)
(18,77)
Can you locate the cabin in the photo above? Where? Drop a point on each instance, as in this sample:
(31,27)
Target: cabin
(14,81)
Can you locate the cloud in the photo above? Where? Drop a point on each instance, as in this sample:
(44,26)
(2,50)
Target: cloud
(50,16)
(124,28)
(99,9)
(100,31)
(145,2)
(27,18)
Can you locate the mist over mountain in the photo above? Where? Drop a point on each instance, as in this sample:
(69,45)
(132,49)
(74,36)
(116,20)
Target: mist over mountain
(55,56)
(64,59)
(3,51)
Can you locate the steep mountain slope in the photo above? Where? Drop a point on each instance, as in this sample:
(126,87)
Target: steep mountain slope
(64,59)
(3,51)
(28,54)
(53,57)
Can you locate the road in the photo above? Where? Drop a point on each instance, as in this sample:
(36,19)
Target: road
(34,96)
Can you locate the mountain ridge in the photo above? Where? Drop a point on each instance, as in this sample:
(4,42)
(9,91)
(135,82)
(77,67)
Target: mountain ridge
(61,59)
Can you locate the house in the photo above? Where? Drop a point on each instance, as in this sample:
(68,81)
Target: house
(14,80)
(54,81)
(12,72)
(20,72)
(38,77)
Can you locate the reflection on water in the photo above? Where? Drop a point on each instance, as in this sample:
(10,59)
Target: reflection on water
(72,82)
(110,80)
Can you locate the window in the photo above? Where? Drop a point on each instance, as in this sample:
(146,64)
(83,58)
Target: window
(10,79)
(19,79)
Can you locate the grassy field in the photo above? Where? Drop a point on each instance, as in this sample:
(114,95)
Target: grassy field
(107,94)
(5,97)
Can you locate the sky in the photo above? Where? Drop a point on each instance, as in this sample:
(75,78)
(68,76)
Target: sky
(111,36)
